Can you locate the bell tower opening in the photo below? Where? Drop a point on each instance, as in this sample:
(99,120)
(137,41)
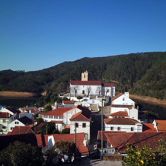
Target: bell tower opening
(84,76)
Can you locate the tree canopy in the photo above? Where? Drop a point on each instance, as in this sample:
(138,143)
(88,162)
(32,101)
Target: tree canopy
(19,154)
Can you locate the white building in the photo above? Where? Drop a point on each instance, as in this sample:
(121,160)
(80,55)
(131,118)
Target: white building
(122,125)
(122,102)
(13,124)
(123,115)
(60,116)
(85,87)
(80,123)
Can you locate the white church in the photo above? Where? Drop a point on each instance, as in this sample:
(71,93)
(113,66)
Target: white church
(85,87)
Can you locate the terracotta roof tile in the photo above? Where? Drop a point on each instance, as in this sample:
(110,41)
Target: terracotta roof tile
(150,139)
(79,82)
(121,121)
(21,130)
(120,113)
(148,127)
(4,115)
(79,137)
(92,82)
(121,140)
(71,138)
(122,106)
(161,125)
(57,112)
(79,117)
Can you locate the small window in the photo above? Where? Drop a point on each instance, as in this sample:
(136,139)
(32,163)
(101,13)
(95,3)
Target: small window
(132,129)
(11,128)
(16,122)
(112,128)
(118,128)
(84,125)
(4,120)
(83,92)
(76,125)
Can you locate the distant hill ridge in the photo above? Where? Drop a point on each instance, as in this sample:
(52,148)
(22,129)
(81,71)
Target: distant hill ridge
(141,73)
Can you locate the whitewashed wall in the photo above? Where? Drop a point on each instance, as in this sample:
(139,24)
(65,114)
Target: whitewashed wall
(124,100)
(125,128)
(80,128)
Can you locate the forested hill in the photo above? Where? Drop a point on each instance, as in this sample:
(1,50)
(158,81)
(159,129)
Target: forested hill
(141,73)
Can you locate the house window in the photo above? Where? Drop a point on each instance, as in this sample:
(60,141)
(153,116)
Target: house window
(16,122)
(4,120)
(84,125)
(83,92)
(76,125)
(11,128)
(132,129)
(118,128)
(112,128)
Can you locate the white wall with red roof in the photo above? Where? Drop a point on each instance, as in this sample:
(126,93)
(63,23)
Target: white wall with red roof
(94,88)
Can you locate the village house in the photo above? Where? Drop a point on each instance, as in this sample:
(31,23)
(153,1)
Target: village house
(120,123)
(60,116)
(85,87)
(76,118)
(122,102)
(48,141)
(81,122)
(117,142)
(123,115)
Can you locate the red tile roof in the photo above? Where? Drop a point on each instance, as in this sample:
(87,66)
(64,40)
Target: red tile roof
(79,137)
(57,112)
(79,117)
(161,125)
(120,141)
(68,102)
(139,140)
(120,113)
(112,138)
(92,82)
(122,106)
(71,138)
(20,130)
(121,121)
(148,127)
(40,140)
(4,115)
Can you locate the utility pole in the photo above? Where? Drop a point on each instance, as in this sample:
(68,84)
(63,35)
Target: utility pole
(101,156)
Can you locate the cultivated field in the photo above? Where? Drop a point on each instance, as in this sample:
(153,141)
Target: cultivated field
(16,94)
(149,100)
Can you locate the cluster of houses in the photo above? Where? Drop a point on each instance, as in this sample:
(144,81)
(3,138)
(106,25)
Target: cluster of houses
(121,125)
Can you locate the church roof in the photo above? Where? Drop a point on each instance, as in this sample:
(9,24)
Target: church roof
(92,82)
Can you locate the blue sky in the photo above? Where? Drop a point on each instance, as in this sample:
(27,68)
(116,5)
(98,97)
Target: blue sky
(36,34)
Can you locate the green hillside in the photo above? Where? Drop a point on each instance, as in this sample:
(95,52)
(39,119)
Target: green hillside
(141,73)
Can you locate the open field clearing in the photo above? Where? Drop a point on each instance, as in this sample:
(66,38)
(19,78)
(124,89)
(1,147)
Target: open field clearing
(149,100)
(16,94)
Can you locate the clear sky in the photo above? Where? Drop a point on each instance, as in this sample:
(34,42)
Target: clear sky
(36,34)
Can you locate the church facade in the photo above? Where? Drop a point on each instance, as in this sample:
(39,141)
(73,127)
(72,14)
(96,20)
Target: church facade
(85,87)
